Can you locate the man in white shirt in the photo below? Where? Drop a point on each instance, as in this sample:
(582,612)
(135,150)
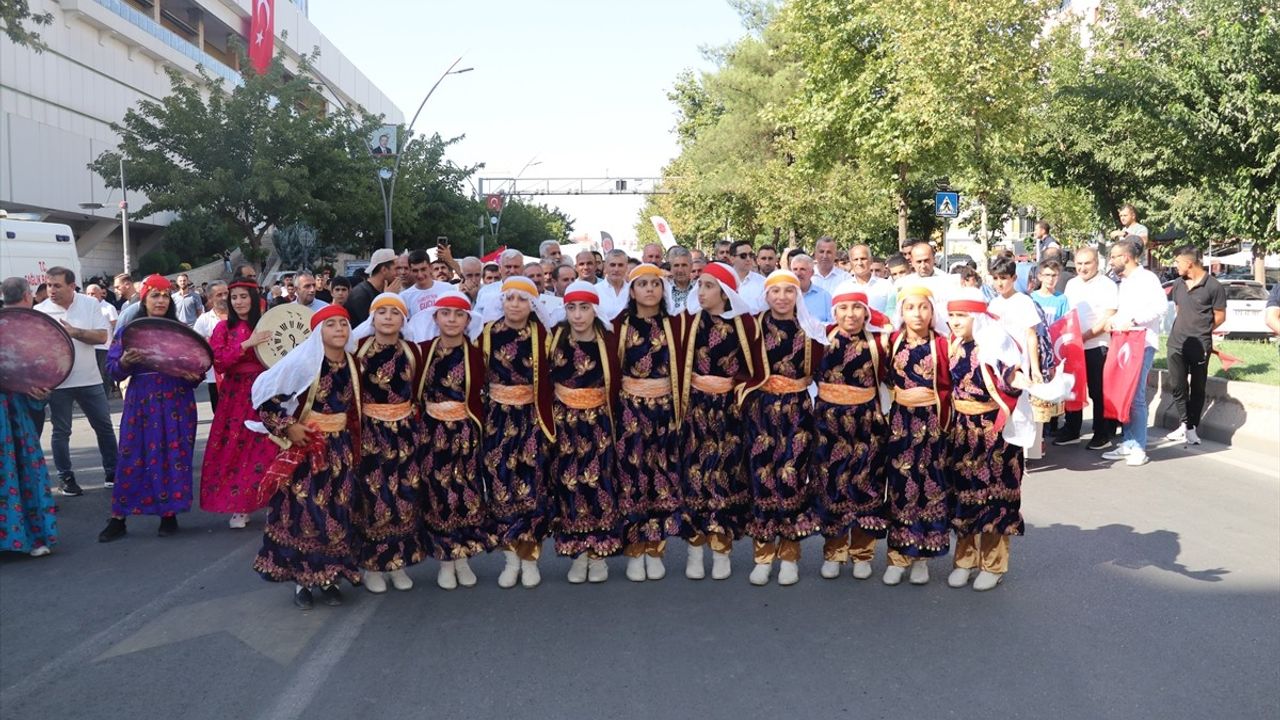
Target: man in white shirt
(750,283)
(304,284)
(1140,305)
(924,271)
(489,299)
(652,254)
(109,312)
(81,317)
(426,288)
(205,324)
(826,274)
(880,293)
(613,288)
(1018,315)
(550,250)
(1093,296)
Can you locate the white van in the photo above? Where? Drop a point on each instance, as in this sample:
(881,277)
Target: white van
(27,249)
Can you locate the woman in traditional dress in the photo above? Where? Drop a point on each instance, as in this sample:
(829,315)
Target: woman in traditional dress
(387,506)
(519,430)
(157,429)
(919,377)
(779,422)
(848,473)
(584,367)
(455,515)
(984,457)
(649,498)
(310,401)
(721,357)
(235,457)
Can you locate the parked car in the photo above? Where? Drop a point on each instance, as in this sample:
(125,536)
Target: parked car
(1246,309)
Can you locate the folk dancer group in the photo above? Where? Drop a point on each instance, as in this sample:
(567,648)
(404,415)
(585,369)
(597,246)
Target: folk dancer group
(451,435)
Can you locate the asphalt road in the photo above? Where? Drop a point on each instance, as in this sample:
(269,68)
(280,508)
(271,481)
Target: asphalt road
(1148,592)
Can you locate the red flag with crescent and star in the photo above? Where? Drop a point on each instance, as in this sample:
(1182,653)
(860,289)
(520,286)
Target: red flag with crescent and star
(1120,374)
(262,30)
(1068,344)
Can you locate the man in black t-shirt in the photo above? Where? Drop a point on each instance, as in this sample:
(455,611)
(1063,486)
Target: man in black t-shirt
(1200,302)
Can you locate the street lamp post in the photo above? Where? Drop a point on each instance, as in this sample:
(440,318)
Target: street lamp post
(496,220)
(124,216)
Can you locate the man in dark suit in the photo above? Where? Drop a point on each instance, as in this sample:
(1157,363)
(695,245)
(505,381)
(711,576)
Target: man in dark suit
(382,147)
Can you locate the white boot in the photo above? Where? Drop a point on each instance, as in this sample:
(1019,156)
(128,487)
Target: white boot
(959,577)
(653,568)
(721,568)
(830,569)
(693,567)
(635,569)
(466,578)
(789,573)
(862,569)
(578,570)
(597,570)
(447,578)
(374,582)
(239,520)
(893,574)
(510,571)
(987,580)
(760,573)
(400,580)
(529,574)
(919,573)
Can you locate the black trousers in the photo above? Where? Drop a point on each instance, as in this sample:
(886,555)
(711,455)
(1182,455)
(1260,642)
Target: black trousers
(1095,359)
(1188,370)
(213,396)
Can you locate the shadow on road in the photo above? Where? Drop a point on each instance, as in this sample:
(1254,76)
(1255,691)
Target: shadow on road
(1126,547)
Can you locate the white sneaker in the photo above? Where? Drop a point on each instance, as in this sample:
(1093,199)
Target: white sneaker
(510,571)
(1178,434)
(530,576)
(789,573)
(597,570)
(986,581)
(693,567)
(919,572)
(466,577)
(635,569)
(447,577)
(400,580)
(1136,458)
(721,568)
(374,582)
(893,574)
(830,569)
(1192,437)
(653,568)
(239,520)
(578,570)
(959,577)
(1119,452)
(862,569)
(760,574)
(40,551)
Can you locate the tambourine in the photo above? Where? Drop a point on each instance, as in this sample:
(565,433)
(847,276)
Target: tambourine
(289,325)
(168,346)
(35,351)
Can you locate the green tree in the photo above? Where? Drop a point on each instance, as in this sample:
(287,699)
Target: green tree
(524,225)
(14,15)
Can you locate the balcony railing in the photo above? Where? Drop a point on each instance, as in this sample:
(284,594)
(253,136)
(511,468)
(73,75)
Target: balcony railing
(213,64)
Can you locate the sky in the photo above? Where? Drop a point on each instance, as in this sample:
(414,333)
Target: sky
(577,87)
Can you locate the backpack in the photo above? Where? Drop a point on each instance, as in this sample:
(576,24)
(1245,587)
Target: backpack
(1048,357)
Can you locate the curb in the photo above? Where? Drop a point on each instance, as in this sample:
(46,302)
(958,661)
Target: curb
(1236,413)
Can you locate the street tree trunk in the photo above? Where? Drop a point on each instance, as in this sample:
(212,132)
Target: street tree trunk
(903,209)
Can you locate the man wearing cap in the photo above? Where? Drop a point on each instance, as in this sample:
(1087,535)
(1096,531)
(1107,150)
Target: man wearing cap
(381,278)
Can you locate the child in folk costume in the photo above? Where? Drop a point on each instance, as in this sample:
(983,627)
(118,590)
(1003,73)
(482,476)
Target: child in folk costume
(779,422)
(584,366)
(386,505)
(235,457)
(722,356)
(919,378)
(649,346)
(310,400)
(848,473)
(157,429)
(455,517)
(985,459)
(519,430)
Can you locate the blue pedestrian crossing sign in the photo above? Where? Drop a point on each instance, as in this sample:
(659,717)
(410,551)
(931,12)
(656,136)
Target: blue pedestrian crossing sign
(946,204)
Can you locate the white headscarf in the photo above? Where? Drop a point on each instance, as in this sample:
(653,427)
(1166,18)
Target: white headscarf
(297,370)
(365,329)
(997,349)
(728,280)
(812,326)
(939,308)
(423,324)
(583,291)
(523,286)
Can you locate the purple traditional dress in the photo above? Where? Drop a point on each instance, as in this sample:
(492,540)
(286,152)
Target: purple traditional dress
(779,422)
(157,439)
(309,538)
(27,513)
(984,470)
(584,464)
(386,505)
(848,459)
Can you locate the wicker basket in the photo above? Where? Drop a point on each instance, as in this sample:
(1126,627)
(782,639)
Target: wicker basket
(1042,411)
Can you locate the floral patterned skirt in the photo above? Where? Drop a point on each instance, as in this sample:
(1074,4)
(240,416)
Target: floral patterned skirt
(386,507)
(455,517)
(717,492)
(848,471)
(985,473)
(583,470)
(514,452)
(781,430)
(649,471)
(914,463)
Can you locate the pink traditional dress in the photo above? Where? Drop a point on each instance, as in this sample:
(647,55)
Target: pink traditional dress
(235,458)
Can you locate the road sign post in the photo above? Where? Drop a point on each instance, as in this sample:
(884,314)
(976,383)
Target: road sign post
(946,205)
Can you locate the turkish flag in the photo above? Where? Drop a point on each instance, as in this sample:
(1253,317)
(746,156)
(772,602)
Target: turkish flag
(262,38)
(1120,375)
(1068,345)
(493,256)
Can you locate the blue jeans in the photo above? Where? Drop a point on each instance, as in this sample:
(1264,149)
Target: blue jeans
(92,400)
(1135,431)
